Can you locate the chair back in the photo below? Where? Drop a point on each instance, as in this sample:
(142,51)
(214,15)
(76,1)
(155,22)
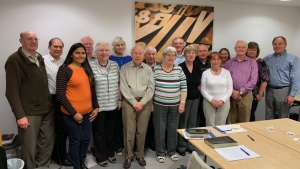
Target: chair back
(195,162)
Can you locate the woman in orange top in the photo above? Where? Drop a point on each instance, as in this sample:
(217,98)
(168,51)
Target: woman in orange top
(75,90)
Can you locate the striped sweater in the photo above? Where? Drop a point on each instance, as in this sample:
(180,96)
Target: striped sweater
(168,86)
(107,84)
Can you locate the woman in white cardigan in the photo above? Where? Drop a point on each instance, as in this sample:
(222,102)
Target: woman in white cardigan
(216,88)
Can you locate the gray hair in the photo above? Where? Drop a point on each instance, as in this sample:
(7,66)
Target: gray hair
(99,44)
(150,48)
(117,40)
(246,44)
(86,37)
(169,50)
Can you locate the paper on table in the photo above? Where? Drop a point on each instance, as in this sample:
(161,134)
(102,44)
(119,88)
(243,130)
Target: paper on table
(236,153)
(196,137)
(228,129)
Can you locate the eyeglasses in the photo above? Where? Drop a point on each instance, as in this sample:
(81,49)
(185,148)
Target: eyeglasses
(241,47)
(32,38)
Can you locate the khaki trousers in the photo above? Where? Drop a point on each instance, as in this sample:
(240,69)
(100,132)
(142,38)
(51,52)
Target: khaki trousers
(240,110)
(135,126)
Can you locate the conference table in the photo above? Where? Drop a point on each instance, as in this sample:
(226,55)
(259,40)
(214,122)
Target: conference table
(276,148)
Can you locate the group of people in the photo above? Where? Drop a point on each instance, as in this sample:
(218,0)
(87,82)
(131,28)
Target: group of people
(123,99)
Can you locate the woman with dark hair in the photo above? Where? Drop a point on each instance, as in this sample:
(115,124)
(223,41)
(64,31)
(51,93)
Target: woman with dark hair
(225,55)
(75,90)
(263,76)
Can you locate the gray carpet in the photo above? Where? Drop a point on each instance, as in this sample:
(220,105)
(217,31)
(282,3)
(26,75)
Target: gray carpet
(150,157)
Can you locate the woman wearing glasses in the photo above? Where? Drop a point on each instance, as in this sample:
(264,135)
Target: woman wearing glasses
(106,73)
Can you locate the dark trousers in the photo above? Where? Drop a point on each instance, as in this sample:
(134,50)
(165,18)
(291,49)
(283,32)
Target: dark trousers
(104,128)
(3,159)
(79,137)
(253,109)
(150,141)
(119,136)
(61,134)
(201,121)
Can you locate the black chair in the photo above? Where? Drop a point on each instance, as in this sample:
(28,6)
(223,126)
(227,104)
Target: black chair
(3,159)
(14,145)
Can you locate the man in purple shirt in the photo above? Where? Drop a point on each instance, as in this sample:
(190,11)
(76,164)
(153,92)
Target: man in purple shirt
(244,74)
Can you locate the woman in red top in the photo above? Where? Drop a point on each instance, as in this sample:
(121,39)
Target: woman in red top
(75,90)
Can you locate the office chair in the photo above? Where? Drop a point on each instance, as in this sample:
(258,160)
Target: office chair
(14,145)
(195,162)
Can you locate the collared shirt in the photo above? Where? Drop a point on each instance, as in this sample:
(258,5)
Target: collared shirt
(152,66)
(179,59)
(244,74)
(284,71)
(136,82)
(35,60)
(52,66)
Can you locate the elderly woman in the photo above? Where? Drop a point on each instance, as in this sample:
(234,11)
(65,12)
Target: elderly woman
(169,102)
(263,77)
(106,73)
(216,88)
(75,90)
(119,47)
(225,55)
(188,119)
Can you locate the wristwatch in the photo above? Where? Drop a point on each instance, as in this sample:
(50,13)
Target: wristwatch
(241,92)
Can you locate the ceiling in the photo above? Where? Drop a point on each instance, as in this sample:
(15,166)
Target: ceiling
(294,3)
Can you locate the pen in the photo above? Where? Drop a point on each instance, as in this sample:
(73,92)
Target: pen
(245,152)
(251,138)
(224,131)
(196,136)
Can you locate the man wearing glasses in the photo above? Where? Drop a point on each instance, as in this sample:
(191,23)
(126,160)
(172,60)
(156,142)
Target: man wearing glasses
(28,95)
(244,74)
(178,43)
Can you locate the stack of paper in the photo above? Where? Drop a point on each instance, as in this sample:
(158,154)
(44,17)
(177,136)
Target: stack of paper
(236,153)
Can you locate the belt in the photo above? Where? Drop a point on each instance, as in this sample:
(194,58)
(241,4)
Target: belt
(275,87)
(138,99)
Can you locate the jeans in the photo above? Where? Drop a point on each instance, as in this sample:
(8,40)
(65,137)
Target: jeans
(79,137)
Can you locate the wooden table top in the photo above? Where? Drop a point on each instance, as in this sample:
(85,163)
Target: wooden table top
(273,155)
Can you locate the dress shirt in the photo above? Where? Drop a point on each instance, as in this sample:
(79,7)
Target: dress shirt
(136,82)
(52,66)
(179,59)
(35,60)
(284,71)
(244,74)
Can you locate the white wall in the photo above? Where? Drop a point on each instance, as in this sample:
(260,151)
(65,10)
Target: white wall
(103,20)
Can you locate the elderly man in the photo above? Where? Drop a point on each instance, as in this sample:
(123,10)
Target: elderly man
(284,79)
(150,55)
(88,43)
(137,87)
(28,95)
(203,64)
(52,63)
(178,43)
(244,74)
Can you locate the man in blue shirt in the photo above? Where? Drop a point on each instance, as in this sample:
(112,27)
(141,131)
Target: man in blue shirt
(284,81)
(178,43)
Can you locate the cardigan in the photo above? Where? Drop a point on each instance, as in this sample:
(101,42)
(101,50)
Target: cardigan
(26,85)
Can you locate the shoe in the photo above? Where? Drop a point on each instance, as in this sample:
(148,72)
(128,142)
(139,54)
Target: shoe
(190,150)
(103,163)
(182,153)
(77,167)
(127,163)
(82,165)
(174,158)
(119,152)
(112,159)
(161,159)
(66,162)
(141,161)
